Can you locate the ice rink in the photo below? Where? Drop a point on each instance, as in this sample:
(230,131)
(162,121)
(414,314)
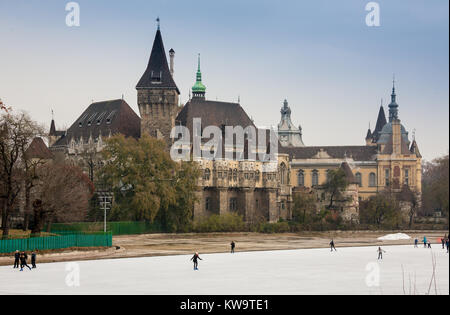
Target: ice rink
(312,271)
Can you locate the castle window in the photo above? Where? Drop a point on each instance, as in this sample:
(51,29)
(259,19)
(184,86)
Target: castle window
(283,174)
(219,174)
(230,174)
(235,174)
(406,177)
(257,176)
(387,177)
(156,77)
(208,204)
(315,178)
(207,174)
(233,204)
(301,178)
(359,179)
(372,180)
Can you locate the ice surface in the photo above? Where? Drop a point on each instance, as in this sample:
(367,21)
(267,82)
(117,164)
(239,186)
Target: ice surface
(395,237)
(312,271)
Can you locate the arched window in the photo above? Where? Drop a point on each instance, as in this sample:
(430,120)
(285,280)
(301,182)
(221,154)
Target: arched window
(359,179)
(235,174)
(372,180)
(257,176)
(208,204)
(230,174)
(283,174)
(315,178)
(301,178)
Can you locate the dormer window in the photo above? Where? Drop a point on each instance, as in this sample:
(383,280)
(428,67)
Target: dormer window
(110,117)
(156,77)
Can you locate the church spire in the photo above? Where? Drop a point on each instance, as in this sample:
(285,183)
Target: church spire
(393,107)
(199,89)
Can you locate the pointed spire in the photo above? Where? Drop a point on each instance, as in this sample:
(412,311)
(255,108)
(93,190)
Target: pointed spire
(157,75)
(158,21)
(199,89)
(381,122)
(393,107)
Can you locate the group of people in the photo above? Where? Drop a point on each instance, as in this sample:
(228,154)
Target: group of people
(427,243)
(21,259)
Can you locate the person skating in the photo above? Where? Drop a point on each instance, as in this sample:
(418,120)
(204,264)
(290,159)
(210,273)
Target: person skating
(16,259)
(416,243)
(332,245)
(23,261)
(33,260)
(195,260)
(425,242)
(443,243)
(429,244)
(380,253)
(233,246)
(447,244)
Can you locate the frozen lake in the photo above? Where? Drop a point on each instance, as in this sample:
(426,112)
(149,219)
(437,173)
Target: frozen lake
(311,271)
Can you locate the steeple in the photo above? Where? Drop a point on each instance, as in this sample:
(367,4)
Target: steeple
(288,134)
(157,75)
(381,122)
(199,89)
(393,107)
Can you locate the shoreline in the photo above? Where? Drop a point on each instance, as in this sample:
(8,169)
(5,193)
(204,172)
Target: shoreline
(156,245)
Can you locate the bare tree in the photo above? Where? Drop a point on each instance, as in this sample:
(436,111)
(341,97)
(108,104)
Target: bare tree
(16,133)
(64,192)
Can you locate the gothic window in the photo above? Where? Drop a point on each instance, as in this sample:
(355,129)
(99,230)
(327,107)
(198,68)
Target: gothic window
(230,174)
(301,178)
(235,174)
(359,179)
(315,178)
(283,174)
(257,176)
(208,204)
(372,180)
(219,174)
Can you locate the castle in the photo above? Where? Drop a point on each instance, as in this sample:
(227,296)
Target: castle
(254,187)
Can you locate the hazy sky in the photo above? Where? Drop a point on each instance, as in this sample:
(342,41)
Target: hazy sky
(320,55)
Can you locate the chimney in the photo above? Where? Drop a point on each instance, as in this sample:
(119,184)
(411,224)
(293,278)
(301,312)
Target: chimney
(172,56)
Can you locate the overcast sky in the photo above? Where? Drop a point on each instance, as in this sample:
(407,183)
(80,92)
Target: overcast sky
(320,55)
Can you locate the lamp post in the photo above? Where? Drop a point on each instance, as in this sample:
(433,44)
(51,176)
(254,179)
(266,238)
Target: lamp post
(105,203)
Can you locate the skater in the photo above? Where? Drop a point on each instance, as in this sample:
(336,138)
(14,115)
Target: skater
(416,243)
(429,244)
(23,261)
(380,253)
(33,260)
(447,244)
(425,242)
(443,243)
(195,260)
(233,246)
(16,259)
(333,246)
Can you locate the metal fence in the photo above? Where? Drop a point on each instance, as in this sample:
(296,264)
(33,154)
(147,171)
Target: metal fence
(56,242)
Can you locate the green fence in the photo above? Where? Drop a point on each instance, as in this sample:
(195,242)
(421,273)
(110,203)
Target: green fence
(116,228)
(56,242)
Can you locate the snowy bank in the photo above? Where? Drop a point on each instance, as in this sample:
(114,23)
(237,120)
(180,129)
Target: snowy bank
(395,237)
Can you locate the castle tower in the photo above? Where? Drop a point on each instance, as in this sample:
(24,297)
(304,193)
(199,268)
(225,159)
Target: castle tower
(288,134)
(158,95)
